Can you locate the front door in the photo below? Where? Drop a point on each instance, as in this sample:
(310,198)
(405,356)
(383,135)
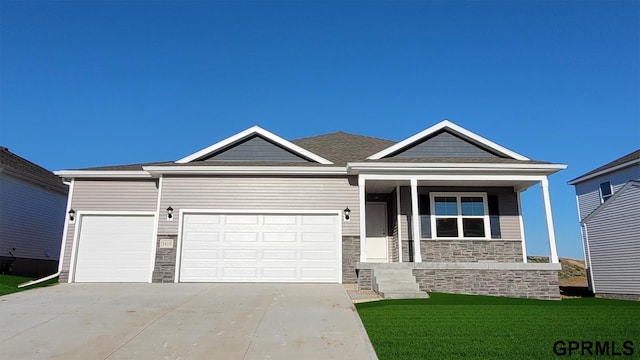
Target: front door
(377,249)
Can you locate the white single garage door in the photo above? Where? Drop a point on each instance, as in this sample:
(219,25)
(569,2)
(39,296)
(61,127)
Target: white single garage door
(114,248)
(260,248)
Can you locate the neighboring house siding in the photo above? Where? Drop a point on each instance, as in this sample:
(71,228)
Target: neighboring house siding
(588,192)
(109,195)
(614,241)
(256,149)
(31,220)
(255,194)
(445,145)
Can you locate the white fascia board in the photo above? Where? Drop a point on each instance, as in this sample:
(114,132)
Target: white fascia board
(254,130)
(603,172)
(248,170)
(453,177)
(455,128)
(76,174)
(357,167)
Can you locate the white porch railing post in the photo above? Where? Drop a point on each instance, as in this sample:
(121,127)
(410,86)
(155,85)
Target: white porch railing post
(399,219)
(363,220)
(544,183)
(524,244)
(415,221)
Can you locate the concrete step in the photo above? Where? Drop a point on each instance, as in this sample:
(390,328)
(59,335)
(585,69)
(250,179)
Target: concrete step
(405,295)
(396,287)
(394,276)
(404,280)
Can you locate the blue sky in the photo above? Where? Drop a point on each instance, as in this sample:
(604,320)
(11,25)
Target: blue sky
(92,83)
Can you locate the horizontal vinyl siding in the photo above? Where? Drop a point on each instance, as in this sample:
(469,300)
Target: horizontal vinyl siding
(267,193)
(614,241)
(110,195)
(445,145)
(509,216)
(588,192)
(31,220)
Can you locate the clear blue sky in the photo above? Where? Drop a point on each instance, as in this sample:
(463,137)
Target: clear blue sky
(91,83)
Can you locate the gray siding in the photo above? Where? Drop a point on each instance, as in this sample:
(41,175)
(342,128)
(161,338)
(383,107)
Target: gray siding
(588,192)
(110,195)
(445,145)
(264,193)
(31,220)
(614,241)
(256,149)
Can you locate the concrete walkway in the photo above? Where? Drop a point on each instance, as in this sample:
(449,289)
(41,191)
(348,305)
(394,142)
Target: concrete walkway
(182,321)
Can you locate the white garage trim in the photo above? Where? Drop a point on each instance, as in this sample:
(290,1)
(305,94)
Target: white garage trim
(77,230)
(184,212)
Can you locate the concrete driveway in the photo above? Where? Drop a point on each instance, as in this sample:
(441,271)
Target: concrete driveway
(182,321)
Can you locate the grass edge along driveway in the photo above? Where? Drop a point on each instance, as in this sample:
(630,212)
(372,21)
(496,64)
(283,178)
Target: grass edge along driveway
(9,284)
(451,326)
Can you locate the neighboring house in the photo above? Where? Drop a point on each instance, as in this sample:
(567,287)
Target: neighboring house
(608,200)
(32,216)
(442,205)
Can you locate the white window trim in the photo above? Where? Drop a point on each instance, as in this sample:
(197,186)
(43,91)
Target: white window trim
(459,217)
(602,199)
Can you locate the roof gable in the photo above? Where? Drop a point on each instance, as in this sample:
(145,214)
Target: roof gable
(458,142)
(244,147)
(631,185)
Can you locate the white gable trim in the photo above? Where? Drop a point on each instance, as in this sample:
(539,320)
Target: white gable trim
(453,127)
(254,130)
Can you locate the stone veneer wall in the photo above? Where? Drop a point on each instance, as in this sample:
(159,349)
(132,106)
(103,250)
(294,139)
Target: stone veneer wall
(64,277)
(471,251)
(537,284)
(350,256)
(365,279)
(165,263)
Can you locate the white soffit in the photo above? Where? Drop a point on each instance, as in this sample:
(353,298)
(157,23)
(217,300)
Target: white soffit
(456,129)
(254,130)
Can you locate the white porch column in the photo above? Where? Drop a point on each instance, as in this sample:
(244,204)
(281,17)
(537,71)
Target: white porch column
(399,219)
(544,183)
(524,244)
(363,220)
(415,221)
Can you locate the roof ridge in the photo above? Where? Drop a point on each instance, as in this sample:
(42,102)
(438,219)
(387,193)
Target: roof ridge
(345,133)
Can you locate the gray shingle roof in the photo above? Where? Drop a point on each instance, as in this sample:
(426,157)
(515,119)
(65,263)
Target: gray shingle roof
(30,171)
(338,147)
(341,148)
(619,161)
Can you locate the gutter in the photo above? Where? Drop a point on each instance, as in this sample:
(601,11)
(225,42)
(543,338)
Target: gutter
(62,246)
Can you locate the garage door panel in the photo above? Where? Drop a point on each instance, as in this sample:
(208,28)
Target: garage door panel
(114,248)
(279,237)
(266,247)
(204,237)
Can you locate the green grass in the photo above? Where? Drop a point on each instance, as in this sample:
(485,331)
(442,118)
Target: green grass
(448,326)
(9,284)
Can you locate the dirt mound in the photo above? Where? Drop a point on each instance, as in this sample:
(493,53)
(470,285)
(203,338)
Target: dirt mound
(573,271)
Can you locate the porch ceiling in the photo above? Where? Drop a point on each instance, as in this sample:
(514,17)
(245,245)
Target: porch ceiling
(387,186)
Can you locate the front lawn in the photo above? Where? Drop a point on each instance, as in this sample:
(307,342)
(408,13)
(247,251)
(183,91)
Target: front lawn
(9,284)
(448,326)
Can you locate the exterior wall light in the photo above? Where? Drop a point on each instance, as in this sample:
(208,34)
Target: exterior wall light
(347,214)
(169,213)
(72,216)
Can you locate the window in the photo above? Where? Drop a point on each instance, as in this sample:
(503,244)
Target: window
(463,215)
(605,191)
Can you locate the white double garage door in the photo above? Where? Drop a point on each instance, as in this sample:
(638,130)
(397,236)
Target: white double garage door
(215,247)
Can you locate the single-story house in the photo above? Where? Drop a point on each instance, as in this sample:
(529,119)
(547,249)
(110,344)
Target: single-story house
(441,208)
(608,200)
(32,216)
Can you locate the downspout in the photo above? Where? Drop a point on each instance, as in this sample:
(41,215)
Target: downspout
(62,246)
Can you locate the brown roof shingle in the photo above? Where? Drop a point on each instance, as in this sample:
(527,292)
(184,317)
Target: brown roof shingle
(341,147)
(29,171)
(619,161)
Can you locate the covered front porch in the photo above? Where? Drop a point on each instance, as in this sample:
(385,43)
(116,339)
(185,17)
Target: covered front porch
(424,218)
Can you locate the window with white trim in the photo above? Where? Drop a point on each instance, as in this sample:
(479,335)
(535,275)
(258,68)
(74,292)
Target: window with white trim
(459,215)
(605,191)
